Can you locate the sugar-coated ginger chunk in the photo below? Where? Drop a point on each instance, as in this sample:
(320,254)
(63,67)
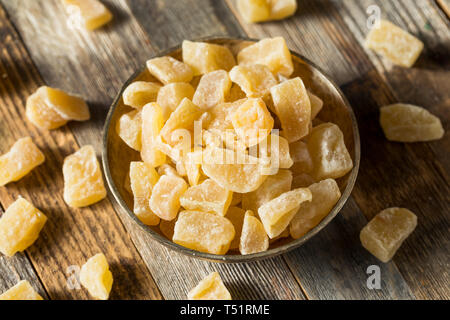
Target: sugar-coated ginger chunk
(41,114)
(170,96)
(395,44)
(69,107)
(255,80)
(90,14)
(212,89)
(20,226)
(280,9)
(278,213)
(254,10)
(152,123)
(385,233)
(207,197)
(236,216)
(165,198)
(273,187)
(203,232)
(168,70)
(96,277)
(254,238)
(23,157)
(129,129)
(192,163)
(325,194)
(408,123)
(316,104)
(83,181)
(139,93)
(21,291)
(142,178)
(275,149)
(302,158)
(293,108)
(272,52)
(168,170)
(330,156)
(205,57)
(210,288)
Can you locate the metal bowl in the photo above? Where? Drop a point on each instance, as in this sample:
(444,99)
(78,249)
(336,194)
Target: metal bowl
(116,155)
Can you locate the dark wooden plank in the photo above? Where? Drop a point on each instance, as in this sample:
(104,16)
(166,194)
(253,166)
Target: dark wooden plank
(95,65)
(70,236)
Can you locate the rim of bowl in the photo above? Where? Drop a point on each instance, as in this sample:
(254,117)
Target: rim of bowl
(233,258)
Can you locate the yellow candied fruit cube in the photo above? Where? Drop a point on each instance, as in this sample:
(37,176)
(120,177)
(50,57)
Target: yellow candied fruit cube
(293,108)
(129,129)
(302,159)
(203,232)
(283,235)
(236,216)
(227,170)
(170,96)
(139,93)
(165,198)
(152,123)
(272,52)
(210,288)
(169,70)
(395,44)
(278,213)
(212,89)
(23,157)
(254,10)
(280,9)
(83,181)
(90,14)
(20,226)
(302,180)
(142,178)
(192,163)
(69,107)
(330,156)
(207,197)
(385,233)
(21,291)
(40,114)
(252,121)
(167,228)
(205,57)
(168,170)
(255,80)
(273,187)
(254,238)
(408,123)
(316,104)
(325,194)
(276,149)
(96,277)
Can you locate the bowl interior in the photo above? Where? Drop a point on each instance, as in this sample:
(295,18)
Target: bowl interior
(117,155)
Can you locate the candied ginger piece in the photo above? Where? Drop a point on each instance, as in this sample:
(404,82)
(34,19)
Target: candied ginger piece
(252,121)
(170,96)
(165,198)
(293,108)
(192,163)
(385,233)
(139,93)
(212,89)
(236,216)
(42,115)
(129,129)
(168,70)
(225,168)
(254,238)
(23,157)
(302,180)
(152,123)
(167,169)
(395,44)
(255,80)
(207,197)
(21,291)
(330,156)
(96,277)
(69,107)
(408,123)
(83,181)
(278,213)
(142,178)
(325,194)
(203,232)
(205,57)
(167,228)
(90,14)
(280,9)
(316,104)
(272,52)
(254,10)
(210,288)
(302,159)
(276,150)
(20,226)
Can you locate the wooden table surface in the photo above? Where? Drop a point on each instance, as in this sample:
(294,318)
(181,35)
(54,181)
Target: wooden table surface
(38,48)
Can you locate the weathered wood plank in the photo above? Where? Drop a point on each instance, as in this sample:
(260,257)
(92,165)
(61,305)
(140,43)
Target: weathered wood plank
(445,5)
(71,235)
(114,53)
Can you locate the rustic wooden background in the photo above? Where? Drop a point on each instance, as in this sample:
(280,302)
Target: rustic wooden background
(38,48)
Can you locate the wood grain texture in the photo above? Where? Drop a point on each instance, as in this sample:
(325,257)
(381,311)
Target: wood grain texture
(95,65)
(445,5)
(70,236)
